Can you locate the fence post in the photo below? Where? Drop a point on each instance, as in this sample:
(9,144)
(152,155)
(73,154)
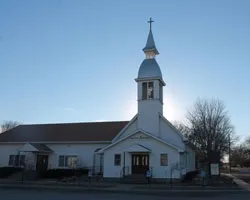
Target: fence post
(22,175)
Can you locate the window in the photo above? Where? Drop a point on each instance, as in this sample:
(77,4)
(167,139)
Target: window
(164,159)
(71,161)
(144,90)
(17,160)
(61,161)
(68,161)
(117,159)
(148,90)
(11,160)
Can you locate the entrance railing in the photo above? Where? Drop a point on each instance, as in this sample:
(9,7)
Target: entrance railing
(124,171)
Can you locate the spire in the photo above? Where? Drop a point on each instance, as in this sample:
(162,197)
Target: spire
(150,49)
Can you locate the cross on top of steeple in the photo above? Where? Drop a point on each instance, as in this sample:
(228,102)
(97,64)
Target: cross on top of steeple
(150,49)
(150,23)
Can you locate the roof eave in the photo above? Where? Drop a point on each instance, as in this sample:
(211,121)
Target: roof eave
(58,142)
(148,49)
(151,78)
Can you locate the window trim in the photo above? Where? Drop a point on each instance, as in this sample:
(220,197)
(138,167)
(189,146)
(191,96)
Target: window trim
(161,92)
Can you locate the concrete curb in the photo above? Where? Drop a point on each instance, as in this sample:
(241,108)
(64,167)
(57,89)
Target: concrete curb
(169,192)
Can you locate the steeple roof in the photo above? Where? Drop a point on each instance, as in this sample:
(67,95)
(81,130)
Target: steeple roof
(150,45)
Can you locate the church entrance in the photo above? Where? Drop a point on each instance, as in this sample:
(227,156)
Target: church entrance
(140,163)
(42,163)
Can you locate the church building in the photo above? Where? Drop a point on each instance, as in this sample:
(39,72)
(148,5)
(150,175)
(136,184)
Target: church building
(115,149)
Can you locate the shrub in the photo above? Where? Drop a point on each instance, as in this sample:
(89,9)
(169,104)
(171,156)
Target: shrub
(5,172)
(188,177)
(62,173)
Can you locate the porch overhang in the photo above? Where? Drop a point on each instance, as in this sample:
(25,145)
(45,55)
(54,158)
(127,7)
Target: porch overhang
(35,147)
(137,148)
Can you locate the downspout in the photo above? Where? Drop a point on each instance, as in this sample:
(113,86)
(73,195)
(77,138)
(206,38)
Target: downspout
(123,163)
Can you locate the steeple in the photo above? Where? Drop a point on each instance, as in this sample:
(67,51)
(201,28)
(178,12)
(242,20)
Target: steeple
(150,49)
(149,69)
(150,88)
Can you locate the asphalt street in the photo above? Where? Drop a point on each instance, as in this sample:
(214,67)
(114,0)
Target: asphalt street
(10,194)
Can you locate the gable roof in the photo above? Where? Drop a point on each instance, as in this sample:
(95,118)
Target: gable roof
(145,133)
(137,148)
(125,128)
(68,132)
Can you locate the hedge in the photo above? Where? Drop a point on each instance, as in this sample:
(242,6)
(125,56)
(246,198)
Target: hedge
(62,173)
(5,172)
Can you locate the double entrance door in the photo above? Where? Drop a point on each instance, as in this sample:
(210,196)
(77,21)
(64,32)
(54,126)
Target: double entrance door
(140,163)
(42,163)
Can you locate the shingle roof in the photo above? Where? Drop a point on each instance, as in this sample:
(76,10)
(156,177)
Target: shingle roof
(89,131)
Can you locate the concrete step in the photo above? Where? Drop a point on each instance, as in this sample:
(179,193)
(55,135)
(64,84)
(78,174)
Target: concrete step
(134,179)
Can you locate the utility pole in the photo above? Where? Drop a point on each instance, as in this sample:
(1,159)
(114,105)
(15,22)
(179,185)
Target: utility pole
(229,154)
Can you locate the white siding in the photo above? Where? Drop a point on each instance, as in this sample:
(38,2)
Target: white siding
(168,134)
(5,151)
(112,171)
(84,152)
(190,159)
(148,116)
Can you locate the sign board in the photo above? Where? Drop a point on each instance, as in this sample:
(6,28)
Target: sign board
(215,169)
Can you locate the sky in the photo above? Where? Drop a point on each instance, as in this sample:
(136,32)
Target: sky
(76,60)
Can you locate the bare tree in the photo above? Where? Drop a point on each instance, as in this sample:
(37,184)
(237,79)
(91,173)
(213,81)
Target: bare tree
(7,125)
(241,156)
(247,142)
(180,126)
(209,129)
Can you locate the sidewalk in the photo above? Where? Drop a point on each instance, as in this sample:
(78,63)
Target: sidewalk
(238,181)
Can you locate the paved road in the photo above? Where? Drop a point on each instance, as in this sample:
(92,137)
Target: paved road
(45,195)
(244,171)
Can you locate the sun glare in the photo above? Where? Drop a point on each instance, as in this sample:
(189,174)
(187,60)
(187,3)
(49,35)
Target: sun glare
(171,108)
(130,109)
